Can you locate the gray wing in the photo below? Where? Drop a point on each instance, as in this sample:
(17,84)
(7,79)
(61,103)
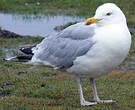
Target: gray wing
(61,50)
(78,31)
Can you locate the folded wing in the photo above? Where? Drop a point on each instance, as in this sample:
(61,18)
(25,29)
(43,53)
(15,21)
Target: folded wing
(62,49)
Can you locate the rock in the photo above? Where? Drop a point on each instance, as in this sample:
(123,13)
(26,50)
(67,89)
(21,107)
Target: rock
(2,94)
(4,85)
(19,73)
(61,27)
(43,85)
(8,34)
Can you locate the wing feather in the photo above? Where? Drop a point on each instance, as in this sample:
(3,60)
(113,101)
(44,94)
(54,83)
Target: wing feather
(62,49)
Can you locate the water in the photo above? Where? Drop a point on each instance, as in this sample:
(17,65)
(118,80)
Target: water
(39,25)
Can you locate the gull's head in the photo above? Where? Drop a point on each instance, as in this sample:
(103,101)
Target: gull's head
(106,14)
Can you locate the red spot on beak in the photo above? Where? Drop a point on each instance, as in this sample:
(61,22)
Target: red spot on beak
(89,23)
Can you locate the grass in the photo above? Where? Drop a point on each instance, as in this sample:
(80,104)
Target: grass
(27,87)
(35,90)
(68,7)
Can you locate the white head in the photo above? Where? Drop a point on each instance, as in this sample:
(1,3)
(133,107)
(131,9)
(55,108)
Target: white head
(106,14)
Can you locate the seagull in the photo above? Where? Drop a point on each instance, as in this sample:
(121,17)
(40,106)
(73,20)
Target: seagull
(88,49)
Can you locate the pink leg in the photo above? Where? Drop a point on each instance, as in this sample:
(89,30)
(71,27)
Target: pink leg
(82,100)
(96,98)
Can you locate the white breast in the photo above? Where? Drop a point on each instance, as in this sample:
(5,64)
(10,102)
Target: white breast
(111,47)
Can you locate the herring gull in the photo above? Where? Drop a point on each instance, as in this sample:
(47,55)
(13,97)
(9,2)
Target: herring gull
(88,49)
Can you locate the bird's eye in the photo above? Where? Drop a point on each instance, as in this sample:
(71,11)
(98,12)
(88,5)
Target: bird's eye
(108,14)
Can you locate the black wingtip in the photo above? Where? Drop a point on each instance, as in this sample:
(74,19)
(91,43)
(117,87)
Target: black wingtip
(27,50)
(24,58)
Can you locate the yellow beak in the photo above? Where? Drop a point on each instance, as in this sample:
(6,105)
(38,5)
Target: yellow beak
(91,21)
